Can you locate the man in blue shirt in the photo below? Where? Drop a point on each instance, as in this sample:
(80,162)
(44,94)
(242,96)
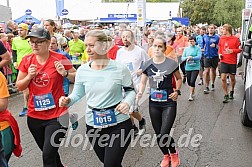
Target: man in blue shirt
(199,41)
(211,59)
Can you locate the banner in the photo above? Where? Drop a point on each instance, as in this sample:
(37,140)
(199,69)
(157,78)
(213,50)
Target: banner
(59,7)
(141,13)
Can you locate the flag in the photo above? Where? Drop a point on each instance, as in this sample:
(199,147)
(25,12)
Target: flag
(59,7)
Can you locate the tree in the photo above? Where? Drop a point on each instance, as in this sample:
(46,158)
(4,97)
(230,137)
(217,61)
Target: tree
(198,11)
(231,12)
(215,12)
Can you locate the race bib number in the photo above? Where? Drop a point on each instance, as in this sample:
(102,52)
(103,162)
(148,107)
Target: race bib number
(104,118)
(191,62)
(44,102)
(130,66)
(158,95)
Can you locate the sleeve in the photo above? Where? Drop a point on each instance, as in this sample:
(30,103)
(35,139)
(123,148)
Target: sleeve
(127,82)
(203,43)
(14,55)
(145,67)
(220,47)
(66,62)
(23,66)
(2,48)
(145,55)
(237,46)
(3,87)
(184,55)
(177,69)
(78,89)
(198,57)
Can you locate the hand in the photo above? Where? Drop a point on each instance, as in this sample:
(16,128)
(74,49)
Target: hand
(139,72)
(202,50)
(212,45)
(77,54)
(15,65)
(123,108)
(32,71)
(173,96)
(60,68)
(228,51)
(189,58)
(139,95)
(64,101)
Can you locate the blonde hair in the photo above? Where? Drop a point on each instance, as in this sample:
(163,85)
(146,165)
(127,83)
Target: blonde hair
(101,37)
(228,27)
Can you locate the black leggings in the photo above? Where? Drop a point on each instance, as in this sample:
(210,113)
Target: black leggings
(162,119)
(182,67)
(110,153)
(42,131)
(191,77)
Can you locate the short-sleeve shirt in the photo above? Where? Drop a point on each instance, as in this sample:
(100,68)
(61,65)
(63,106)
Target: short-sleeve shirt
(133,59)
(3,87)
(165,69)
(22,47)
(4,93)
(2,51)
(48,80)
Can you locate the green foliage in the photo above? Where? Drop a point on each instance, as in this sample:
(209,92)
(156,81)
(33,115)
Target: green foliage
(217,12)
(135,0)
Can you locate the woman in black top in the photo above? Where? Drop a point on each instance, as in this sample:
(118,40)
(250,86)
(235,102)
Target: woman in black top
(162,100)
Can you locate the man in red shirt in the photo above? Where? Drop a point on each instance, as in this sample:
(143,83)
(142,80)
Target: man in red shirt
(228,50)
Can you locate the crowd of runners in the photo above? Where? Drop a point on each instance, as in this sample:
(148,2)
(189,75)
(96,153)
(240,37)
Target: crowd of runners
(112,69)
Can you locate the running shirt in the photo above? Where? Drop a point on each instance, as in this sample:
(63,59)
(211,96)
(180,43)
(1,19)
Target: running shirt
(103,88)
(44,89)
(4,93)
(160,77)
(76,47)
(233,43)
(2,51)
(22,47)
(133,60)
(194,63)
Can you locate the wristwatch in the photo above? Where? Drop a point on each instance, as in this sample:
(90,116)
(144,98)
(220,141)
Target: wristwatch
(178,91)
(66,74)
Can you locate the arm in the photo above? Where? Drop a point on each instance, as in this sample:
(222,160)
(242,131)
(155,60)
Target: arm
(77,93)
(142,85)
(178,79)
(23,80)
(3,104)
(198,57)
(174,95)
(6,59)
(70,74)
(184,56)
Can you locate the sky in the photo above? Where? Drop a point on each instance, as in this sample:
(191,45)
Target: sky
(87,9)
(41,8)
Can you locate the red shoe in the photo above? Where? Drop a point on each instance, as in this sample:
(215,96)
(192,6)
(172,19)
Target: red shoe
(166,161)
(175,162)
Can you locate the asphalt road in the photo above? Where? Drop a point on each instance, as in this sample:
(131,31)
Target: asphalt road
(208,133)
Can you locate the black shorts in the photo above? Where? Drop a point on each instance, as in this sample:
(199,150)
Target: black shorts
(211,62)
(202,62)
(227,68)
